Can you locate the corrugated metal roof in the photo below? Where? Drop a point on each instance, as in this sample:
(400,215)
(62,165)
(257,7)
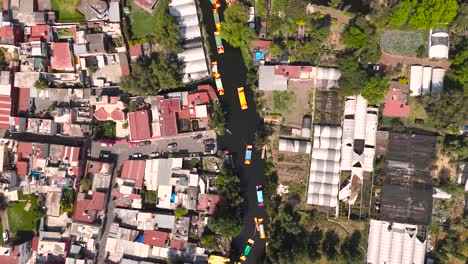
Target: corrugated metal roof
(114,12)
(268,81)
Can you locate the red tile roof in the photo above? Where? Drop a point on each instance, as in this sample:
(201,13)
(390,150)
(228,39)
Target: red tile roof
(155,238)
(71,153)
(177,244)
(136,51)
(139,124)
(207,88)
(11,34)
(61,56)
(5,111)
(293,72)
(94,166)
(23,101)
(117,115)
(22,168)
(35,243)
(114,99)
(395,106)
(39,32)
(85,209)
(209,203)
(134,170)
(169,109)
(261,43)
(101,114)
(25,149)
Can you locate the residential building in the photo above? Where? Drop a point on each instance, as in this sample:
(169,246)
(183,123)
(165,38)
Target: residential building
(139,125)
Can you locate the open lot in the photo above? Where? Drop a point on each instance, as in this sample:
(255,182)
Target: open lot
(141,22)
(292,104)
(23,223)
(66,10)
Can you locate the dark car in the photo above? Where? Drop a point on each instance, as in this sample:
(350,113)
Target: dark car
(136,156)
(145,143)
(105,154)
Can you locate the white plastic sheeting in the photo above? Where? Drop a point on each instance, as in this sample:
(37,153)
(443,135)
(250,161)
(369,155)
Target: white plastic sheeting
(426,80)
(183,10)
(324,167)
(438,44)
(437,80)
(394,243)
(416,78)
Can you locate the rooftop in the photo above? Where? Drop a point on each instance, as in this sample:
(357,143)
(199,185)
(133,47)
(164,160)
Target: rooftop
(61,57)
(88,208)
(139,125)
(396,105)
(156,238)
(134,170)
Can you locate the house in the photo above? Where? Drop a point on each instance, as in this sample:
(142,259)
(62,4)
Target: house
(38,33)
(438,43)
(110,109)
(147,5)
(129,184)
(86,235)
(89,207)
(156,238)
(395,242)
(136,52)
(209,203)
(269,81)
(396,104)
(101,174)
(11,35)
(159,171)
(139,125)
(261,51)
(114,11)
(61,58)
(325,167)
(93,9)
(96,43)
(19,254)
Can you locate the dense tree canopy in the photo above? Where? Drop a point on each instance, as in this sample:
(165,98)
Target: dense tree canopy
(217,121)
(235,30)
(424,14)
(459,65)
(152,75)
(450,109)
(355,38)
(168,31)
(456,147)
(375,89)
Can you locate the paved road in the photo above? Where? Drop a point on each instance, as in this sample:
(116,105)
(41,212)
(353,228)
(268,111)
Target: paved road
(243,125)
(122,153)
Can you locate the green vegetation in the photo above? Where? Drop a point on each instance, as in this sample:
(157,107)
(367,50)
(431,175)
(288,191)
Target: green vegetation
(180,212)
(425,14)
(68,199)
(402,42)
(217,121)
(460,23)
(459,67)
(228,221)
(152,75)
(354,38)
(375,89)
(161,25)
(449,109)
(150,197)
(86,183)
(41,84)
(66,10)
(456,147)
(282,100)
(234,29)
(65,32)
(23,223)
(104,130)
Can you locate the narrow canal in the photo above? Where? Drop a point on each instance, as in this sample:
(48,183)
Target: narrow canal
(242,124)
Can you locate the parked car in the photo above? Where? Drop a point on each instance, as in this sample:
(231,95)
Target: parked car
(259,226)
(145,143)
(136,156)
(242,100)
(208,141)
(105,154)
(154,155)
(228,159)
(248,154)
(259,195)
(247,249)
(172,146)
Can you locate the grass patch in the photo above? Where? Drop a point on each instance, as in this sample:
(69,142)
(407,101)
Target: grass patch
(66,10)
(418,112)
(141,22)
(282,101)
(402,42)
(23,223)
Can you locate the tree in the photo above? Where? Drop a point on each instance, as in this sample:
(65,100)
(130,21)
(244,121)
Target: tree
(262,135)
(67,201)
(396,125)
(41,84)
(276,49)
(226,223)
(350,246)
(351,84)
(375,89)
(295,9)
(104,130)
(167,29)
(234,29)
(217,121)
(355,38)
(330,243)
(180,212)
(449,109)
(456,147)
(334,3)
(152,75)
(85,184)
(459,65)
(400,14)
(429,13)
(460,24)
